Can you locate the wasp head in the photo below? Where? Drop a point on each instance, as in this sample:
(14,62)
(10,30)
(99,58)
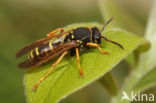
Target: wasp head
(96,35)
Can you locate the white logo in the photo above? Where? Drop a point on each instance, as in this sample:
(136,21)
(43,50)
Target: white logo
(125,96)
(137,97)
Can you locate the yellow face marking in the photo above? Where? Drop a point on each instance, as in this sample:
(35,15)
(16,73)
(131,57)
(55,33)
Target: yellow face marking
(37,53)
(50,45)
(72,36)
(31,54)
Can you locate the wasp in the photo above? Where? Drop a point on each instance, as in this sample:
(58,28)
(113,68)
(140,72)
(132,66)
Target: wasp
(75,39)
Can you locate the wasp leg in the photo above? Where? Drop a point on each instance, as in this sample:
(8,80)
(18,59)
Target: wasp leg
(97,46)
(55,31)
(78,60)
(50,70)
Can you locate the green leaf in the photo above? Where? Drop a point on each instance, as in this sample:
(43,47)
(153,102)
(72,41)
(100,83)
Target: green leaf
(109,83)
(133,58)
(65,78)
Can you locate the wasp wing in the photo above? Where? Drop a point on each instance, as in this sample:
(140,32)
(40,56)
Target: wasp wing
(55,52)
(38,43)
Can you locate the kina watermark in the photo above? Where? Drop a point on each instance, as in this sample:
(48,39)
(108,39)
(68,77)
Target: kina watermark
(138,96)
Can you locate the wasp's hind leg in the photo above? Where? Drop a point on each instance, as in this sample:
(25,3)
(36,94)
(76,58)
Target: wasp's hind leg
(78,60)
(97,46)
(50,70)
(55,31)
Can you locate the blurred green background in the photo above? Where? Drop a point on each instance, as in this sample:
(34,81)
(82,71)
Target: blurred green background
(24,21)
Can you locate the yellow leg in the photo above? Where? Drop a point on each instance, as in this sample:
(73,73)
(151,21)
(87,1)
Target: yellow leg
(97,46)
(50,70)
(78,60)
(55,31)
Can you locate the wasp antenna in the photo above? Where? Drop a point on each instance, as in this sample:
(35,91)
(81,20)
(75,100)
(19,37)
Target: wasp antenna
(106,24)
(113,42)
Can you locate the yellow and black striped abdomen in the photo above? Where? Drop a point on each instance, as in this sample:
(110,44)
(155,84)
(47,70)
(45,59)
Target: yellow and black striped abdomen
(43,50)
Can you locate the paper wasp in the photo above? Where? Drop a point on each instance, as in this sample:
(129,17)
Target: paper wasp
(75,39)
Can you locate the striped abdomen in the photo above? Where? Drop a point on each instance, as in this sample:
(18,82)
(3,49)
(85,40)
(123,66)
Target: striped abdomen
(43,50)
